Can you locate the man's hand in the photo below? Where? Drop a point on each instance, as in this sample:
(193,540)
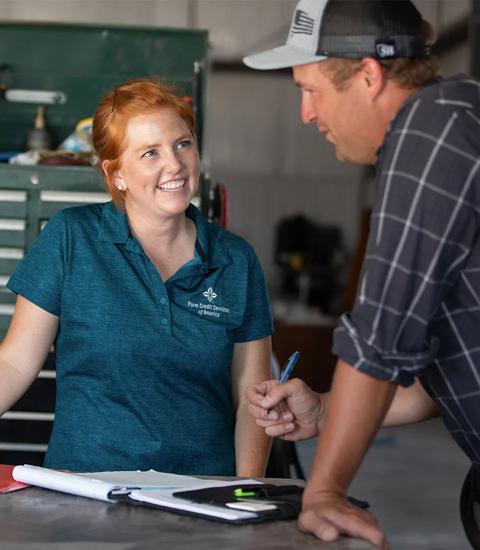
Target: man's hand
(291,410)
(330,515)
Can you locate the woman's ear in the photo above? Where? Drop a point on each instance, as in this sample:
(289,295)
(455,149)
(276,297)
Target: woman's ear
(373,76)
(115,178)
(105,164)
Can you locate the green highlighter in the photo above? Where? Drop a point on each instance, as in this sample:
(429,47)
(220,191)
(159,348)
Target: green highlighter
(266,490)
(240,493)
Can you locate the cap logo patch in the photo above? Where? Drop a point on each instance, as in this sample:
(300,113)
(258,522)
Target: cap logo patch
(385,50)
(302,23)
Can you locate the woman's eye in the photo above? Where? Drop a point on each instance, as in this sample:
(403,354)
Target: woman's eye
(150,153)
(183,144)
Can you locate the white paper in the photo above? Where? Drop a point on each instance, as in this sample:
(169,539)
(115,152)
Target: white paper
(167,500)
(65,482)
(145,479)
(99,485)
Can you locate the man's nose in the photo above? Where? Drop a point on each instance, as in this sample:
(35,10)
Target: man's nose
(306,112)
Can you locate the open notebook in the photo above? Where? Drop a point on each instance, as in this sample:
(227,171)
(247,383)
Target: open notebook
(160,490)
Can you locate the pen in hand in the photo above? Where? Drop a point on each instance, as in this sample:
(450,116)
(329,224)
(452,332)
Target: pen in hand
(287,370)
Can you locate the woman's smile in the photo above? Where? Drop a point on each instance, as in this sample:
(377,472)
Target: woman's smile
(172,185)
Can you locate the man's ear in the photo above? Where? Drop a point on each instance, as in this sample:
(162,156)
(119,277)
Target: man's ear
(373,76)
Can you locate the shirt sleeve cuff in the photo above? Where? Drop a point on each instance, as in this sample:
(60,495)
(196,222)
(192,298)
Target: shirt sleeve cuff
(396,367)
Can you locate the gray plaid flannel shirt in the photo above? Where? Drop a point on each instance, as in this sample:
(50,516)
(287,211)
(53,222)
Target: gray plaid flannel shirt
(417,312)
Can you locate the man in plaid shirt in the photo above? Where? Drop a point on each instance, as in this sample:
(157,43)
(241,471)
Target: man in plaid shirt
(409,349)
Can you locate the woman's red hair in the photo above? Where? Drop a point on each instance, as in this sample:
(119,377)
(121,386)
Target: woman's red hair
(133,98)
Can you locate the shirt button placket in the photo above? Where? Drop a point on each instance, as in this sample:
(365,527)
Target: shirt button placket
(165,313)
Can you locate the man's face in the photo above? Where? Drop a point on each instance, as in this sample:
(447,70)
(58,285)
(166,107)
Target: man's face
(344,116)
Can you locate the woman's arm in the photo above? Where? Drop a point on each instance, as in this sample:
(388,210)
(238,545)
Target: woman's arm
(24,349)
(410,405)
(251,364)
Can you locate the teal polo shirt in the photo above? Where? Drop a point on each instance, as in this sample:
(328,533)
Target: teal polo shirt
(143,366)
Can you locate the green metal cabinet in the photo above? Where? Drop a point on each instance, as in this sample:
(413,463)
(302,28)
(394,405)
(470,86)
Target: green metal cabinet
(28,198)
(83,62)
(80,63)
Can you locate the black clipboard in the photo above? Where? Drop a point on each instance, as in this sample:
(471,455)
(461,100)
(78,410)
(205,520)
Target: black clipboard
(285,500)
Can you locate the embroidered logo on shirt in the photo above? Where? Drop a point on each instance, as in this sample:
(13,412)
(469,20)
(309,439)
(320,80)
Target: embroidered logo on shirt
(209,294)
(209,310)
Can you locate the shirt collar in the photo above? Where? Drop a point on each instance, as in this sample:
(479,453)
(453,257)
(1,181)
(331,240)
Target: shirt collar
(201,245)
(113,224)
(406,105)
(210,245)
(114,228)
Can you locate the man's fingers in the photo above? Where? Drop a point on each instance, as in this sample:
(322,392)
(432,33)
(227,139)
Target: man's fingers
(330,529)
(270,394)
(263,414)
(280,430)
(276,395)
(280,426)
(256,393)
(323,529)
(270,415)
(330,525)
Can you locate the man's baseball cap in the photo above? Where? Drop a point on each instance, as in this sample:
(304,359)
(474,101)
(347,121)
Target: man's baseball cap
(383,29)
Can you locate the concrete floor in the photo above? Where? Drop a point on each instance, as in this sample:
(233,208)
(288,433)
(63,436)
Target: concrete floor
(412,478)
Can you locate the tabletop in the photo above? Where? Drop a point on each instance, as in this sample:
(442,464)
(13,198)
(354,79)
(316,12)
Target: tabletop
(39,519)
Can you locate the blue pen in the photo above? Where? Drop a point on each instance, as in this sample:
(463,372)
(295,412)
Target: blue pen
(289,366)
(287,370)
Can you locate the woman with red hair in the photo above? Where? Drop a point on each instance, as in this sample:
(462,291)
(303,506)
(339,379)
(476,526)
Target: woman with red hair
(159,320)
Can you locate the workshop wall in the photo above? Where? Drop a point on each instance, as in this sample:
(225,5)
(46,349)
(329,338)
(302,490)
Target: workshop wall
(255,143)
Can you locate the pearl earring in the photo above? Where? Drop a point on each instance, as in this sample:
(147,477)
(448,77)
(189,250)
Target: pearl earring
(120,187)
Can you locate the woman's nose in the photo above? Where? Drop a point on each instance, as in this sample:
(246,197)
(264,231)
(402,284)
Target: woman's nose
(174,161)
